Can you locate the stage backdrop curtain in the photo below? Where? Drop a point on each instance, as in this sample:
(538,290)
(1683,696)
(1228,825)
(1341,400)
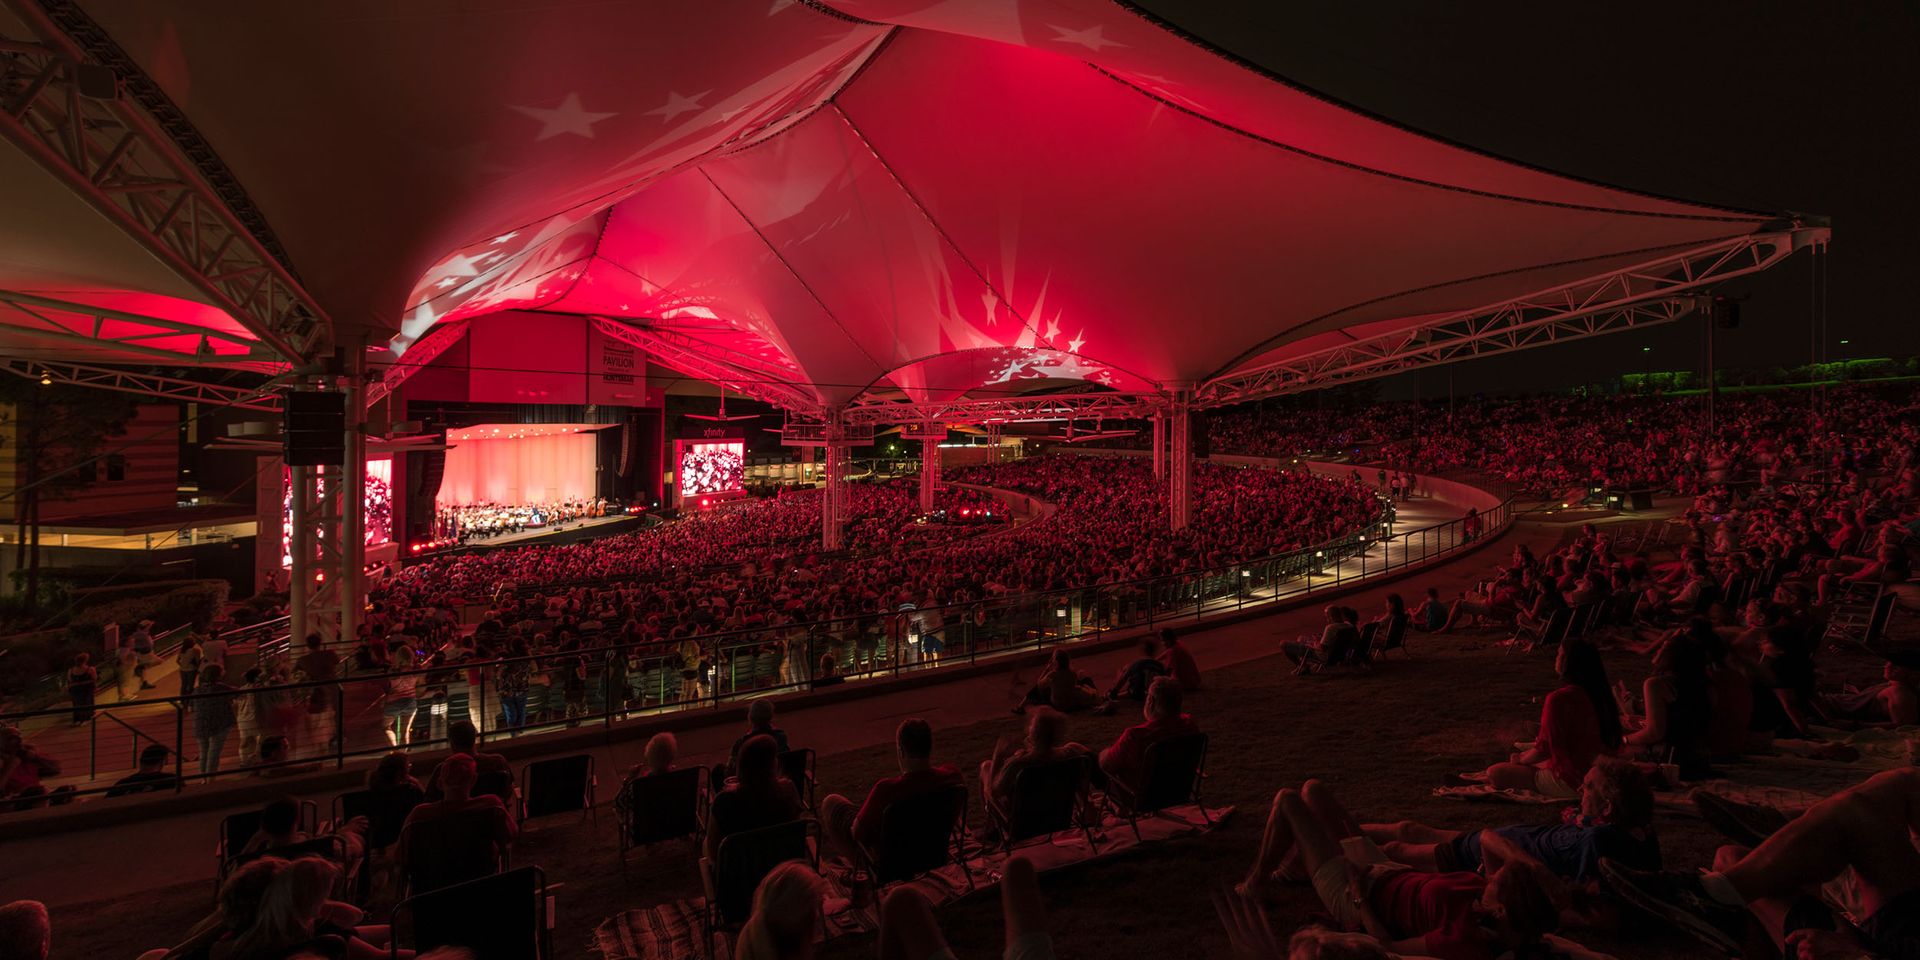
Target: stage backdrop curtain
(526,470)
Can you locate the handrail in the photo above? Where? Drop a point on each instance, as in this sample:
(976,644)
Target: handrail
(626,679)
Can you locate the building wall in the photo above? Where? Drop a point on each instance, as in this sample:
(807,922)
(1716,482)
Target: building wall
(146,460)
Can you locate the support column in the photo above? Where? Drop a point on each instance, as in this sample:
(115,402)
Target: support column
(353,497)
(929,472)
(1179,463)
(832,534)
(1160,446)
(300,548)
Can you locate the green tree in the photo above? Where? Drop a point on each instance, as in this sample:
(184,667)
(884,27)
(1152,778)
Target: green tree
(59,440)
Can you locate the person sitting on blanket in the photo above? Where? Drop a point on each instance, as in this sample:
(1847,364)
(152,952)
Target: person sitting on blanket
(1683,703)
(1868,828)
(1125,762)
(1893,702)
(908,930)
(1337,641)
(1132,681)
(1614,819)
(1064,689)
(1178,660)
(1498,601)
(1451,916)
(758,797)
(857,832)
(1432,614)
(1578,722)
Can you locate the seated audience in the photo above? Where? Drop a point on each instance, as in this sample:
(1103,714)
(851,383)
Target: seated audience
(463,737)
(25,931)
(856,833)
(908,930)
(1337,643)
(1179,660)
(757,797)
(1132,681)
(787,919)
(492,829)
(1578,722)
(759,724)
(150,776)
(1125,762)
(1063,688)
(1046,741)
(393,792)
(1866,830)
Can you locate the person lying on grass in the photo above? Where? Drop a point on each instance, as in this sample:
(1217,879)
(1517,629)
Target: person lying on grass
(1614,819)
(1449,915)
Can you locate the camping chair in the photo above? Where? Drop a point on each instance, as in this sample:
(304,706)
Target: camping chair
(664,806)
(1047,798)
(507,916)
(1550,635)
(921,834)
(441,852)
(1581,620)
(1860,623)
(1392,637)
(743,860)
(797,766)
(498,784)
(558,785)
(238,828)
(1175,768)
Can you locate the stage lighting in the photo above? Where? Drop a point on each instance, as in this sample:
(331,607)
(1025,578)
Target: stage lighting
(46,379)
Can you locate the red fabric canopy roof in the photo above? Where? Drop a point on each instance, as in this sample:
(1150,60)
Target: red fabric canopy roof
(938,196)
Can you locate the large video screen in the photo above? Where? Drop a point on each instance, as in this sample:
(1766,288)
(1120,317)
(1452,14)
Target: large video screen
(378,502)
(712,467)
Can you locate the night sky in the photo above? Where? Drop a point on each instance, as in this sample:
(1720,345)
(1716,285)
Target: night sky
(1807,107)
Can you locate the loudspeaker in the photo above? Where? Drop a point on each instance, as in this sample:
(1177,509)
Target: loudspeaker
(315,429)
(1726,313)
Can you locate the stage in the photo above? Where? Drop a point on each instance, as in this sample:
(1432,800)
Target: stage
(572,531)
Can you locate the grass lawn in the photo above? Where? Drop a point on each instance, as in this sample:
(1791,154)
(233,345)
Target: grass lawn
(1382,740)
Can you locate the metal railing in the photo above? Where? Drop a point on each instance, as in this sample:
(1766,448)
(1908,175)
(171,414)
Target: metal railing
(369,712)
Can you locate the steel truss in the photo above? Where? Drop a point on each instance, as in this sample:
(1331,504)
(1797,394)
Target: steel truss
(768,383)
(89,325)
(264,398)
(113,154)
(422,352)
(1658,291)
(1058,406)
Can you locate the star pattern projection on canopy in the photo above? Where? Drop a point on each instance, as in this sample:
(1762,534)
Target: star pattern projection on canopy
(845,189)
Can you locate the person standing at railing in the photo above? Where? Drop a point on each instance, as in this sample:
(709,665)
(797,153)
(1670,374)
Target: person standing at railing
(189,661)
(213,718)
(401,697)
(141,644)
(81,681)
(213,647)
(318,664)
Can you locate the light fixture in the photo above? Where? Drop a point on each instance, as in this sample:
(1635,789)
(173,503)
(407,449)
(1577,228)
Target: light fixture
(46,379)
(1646,349)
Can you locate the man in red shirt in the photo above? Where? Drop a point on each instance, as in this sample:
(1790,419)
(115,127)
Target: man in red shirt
(1126,761)
(486,830)
(1179,661)
(857,834)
